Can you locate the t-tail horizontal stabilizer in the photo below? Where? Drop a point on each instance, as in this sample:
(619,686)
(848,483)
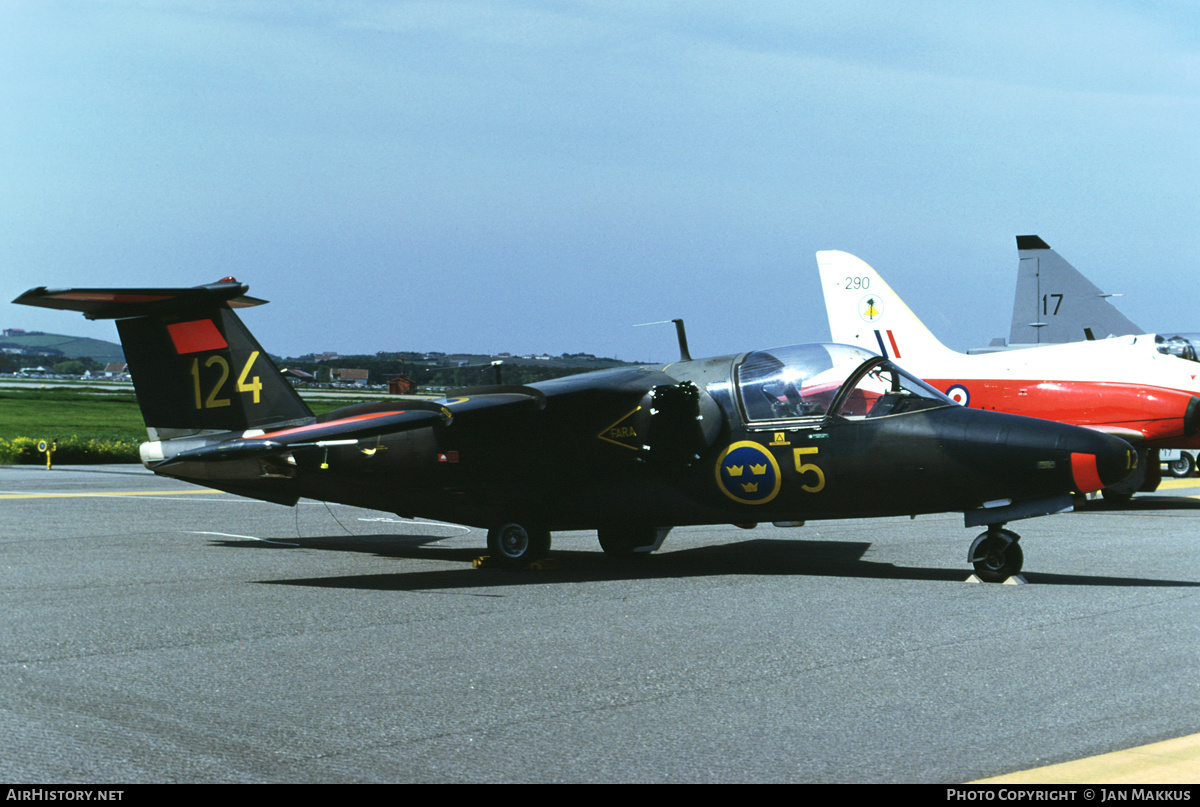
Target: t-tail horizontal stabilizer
(195,366)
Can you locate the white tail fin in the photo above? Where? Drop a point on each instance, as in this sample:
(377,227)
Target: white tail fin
(864,311)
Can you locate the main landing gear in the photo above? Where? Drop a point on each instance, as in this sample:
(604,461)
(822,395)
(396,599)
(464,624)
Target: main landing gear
(516,544)
(996,554)
(625,541)
(1181,466)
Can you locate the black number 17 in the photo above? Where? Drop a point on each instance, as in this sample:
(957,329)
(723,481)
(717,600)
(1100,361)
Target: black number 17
(1058,302)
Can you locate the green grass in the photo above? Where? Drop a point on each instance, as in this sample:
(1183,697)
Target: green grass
(49,413)
(90,425)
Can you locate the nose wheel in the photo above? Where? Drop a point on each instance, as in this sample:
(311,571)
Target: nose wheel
(996,555)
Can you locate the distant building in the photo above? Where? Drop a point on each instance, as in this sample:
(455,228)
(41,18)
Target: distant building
(298,376)
(342,375)
(115,369)
(401,385)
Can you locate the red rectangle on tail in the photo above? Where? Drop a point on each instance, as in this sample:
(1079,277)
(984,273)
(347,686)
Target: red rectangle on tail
(196,336)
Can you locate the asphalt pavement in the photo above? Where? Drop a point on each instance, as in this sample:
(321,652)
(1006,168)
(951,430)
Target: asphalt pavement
(159,632)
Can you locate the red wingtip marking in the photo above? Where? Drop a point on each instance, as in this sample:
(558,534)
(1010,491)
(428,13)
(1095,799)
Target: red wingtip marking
(1083,469)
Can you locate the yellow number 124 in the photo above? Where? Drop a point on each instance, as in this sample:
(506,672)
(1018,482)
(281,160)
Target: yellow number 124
(212,401)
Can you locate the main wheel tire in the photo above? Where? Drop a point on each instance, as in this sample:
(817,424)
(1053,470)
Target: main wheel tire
(997,556)
(514,544)
(622,542)
(1180,467)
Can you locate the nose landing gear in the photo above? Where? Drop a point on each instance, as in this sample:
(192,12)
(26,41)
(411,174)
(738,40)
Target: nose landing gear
(996,554)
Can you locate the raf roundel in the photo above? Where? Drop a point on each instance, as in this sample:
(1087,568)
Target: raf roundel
(747,473)
(959,394)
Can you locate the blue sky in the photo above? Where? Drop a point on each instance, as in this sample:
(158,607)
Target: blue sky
(542,176)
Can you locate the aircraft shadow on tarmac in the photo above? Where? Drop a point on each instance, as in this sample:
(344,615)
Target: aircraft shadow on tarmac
(765,557)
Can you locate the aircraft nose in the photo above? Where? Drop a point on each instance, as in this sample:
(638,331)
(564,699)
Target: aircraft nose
(1099,460)
(1080,460)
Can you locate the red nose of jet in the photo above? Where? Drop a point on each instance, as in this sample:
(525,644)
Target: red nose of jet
(1031,456)
(1100,461)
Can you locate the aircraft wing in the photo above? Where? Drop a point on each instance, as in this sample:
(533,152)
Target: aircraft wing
(362,425)
(353,428)
(1132,436)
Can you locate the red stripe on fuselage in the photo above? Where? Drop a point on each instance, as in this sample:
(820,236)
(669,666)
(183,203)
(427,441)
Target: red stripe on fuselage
(326,425)
(1156,412)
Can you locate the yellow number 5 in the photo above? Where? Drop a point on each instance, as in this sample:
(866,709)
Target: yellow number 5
(803,467)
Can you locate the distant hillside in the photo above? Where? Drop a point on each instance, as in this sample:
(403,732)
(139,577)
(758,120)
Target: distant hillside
(425,369)
(71,347)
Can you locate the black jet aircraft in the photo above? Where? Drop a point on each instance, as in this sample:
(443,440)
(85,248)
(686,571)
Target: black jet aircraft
(783,435)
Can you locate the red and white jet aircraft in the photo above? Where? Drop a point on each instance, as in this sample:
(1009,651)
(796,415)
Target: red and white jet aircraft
(1134,387)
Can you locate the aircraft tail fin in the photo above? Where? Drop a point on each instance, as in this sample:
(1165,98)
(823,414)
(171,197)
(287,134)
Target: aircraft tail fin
(864,311)
(1055,303)
(195,366)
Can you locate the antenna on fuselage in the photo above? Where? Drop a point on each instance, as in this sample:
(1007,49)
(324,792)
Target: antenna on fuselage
(684,355)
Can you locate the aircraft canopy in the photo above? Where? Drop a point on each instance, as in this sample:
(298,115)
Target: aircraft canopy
(805,381)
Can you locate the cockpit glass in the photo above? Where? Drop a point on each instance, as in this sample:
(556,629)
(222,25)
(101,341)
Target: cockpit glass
(885,389)
(803,382)
(1182,345)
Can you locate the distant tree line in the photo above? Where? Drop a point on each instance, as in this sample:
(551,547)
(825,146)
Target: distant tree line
(477,370)
(11,363)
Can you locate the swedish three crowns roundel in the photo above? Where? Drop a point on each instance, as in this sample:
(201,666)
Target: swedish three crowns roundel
(747,473)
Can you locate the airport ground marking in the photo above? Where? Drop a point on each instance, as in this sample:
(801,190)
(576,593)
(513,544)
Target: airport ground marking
(1168,762)
(1176,484)
(241,537)
(99,495)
